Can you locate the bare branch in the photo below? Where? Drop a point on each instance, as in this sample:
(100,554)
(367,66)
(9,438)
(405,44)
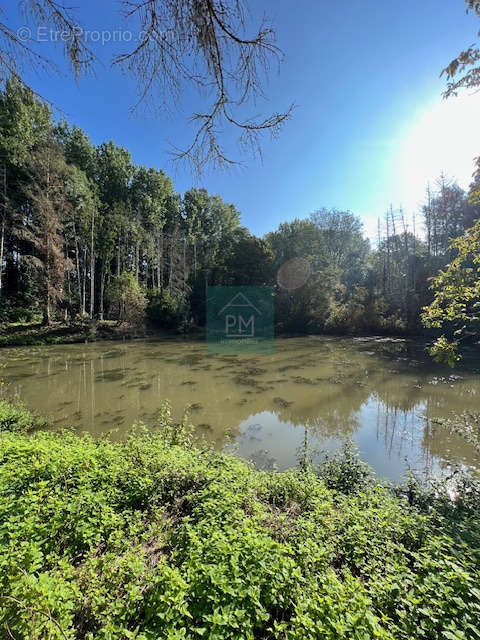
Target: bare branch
(182,44)
(203,43)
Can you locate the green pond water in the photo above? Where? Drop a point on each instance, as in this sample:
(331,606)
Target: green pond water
(383,394)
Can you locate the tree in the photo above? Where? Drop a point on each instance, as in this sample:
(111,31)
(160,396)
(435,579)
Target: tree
(84,204)
(244,261)
(49,206)
(331,245)
(208,222)
(81,155)
(464,70)
(182,43)
(343,244)
(25,124)
(127,299)
(151,194)
(113,171)
(456,305)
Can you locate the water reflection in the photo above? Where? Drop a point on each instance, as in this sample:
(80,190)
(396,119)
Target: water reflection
(383,394)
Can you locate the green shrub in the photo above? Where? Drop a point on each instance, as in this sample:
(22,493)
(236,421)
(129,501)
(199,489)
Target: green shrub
(344,471)
(164,310)
(149,539)
(18,314)
(18,419)
(20,340)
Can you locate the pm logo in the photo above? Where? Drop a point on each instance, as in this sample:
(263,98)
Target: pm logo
(240,319)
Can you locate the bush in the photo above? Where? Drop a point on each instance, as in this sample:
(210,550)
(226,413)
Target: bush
(18,419)
(148,539)
(344,471)
(17,314)
(165,311)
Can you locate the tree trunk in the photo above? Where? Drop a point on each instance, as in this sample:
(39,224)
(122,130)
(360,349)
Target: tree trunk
(46,314)
(2,242)
(137,259)
(46,308)
(92,269)
(170,277)
(4,217)
(102,289)
(84,284)
(184,264)
(160,262)
(68,305)
(77,264)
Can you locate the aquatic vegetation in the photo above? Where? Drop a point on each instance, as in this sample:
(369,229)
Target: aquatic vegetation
(282,403)
(302,380)
(190,359)
(287,368)
(245,381)
(253,371)
(110,376)
(113,353)
(156,538)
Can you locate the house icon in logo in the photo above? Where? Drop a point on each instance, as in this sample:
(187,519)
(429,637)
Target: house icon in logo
(239,317)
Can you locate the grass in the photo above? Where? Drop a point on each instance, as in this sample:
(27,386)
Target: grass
(157,538)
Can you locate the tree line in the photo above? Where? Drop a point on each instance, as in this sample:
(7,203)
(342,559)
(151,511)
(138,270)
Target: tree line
(86,233)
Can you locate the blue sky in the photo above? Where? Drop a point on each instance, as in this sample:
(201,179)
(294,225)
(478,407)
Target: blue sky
(369,128)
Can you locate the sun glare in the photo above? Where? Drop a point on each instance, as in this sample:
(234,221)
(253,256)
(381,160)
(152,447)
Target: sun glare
(444,139)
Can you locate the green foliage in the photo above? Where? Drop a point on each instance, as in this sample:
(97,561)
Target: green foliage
(17,314)
(24,123)
(76,217)
(126,294)
(344,471)
(164,310)
(155,538)
(18,419)
(464,71)
(456,305)
(442,350)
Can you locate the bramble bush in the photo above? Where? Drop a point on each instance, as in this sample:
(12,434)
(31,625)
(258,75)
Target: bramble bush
(155,538)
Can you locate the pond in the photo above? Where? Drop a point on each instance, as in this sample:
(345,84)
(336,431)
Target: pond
(384,394)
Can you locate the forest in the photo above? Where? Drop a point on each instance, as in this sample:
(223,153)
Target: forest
(88,235)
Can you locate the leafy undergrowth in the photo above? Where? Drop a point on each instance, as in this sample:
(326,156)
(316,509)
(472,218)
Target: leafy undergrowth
(36,334)
(155,538)
(16,418)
